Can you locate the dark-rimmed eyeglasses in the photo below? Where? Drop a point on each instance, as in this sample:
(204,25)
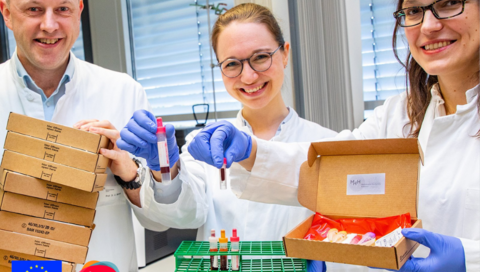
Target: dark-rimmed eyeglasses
(441,9)
(260,62)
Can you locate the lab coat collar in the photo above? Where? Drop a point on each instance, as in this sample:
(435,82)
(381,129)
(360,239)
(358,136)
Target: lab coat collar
(436,109)
(23,74)
(18,73)
(243,123)
(439,103)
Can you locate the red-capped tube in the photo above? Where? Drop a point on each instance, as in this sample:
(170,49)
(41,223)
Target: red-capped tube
(163,151)
(235,247)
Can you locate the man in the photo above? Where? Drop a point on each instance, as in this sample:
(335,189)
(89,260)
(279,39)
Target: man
(45,80)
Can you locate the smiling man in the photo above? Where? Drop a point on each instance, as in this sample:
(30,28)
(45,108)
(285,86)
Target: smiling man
(45,80)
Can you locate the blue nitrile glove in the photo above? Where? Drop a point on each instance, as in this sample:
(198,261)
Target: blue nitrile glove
(446,252)
(139,138)
(221,140)
(316,266)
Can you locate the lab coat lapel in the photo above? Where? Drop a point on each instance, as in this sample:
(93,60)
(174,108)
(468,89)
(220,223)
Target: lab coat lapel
(61,115)
(427,124)
(31,102)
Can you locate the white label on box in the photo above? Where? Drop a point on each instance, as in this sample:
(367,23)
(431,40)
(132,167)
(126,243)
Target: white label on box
(390,239)
(366,184)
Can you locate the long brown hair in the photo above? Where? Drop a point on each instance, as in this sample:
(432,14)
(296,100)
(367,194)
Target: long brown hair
(418,86)
(251,13)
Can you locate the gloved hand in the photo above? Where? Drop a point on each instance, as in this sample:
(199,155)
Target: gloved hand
(221,140)
(139,138)
(446,252)
(316,266)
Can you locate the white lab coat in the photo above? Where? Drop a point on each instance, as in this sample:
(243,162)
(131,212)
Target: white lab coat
(449,196)
(201,204)
(93,93)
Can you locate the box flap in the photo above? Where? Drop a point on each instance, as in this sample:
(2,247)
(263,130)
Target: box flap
(395,160)
(307,185)
(364,147)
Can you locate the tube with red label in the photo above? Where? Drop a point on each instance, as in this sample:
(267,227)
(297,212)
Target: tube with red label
(163,151)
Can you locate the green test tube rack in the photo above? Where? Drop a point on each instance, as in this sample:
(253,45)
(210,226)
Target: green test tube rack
(265,256)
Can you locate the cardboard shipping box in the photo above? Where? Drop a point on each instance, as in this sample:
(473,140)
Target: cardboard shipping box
(58,231)
(7,257)
(56,133)
(358,179)
(58,153)
(41,208)
(29,186)
(54,172)
(42,247)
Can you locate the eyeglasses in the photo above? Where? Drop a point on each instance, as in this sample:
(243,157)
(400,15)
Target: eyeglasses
(441,9)
(259,62)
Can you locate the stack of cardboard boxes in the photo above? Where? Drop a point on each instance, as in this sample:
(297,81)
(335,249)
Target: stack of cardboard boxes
(49,183)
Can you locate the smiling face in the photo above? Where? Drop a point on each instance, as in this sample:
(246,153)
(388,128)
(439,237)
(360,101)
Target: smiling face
(45,30)
(447,46)
(240,40)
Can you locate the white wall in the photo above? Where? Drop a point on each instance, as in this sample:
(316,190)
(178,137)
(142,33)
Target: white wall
(355,57)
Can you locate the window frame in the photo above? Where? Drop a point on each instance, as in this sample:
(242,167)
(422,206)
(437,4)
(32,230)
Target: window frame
(4,51)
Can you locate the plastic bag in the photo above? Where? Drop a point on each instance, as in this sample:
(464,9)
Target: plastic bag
(380,226)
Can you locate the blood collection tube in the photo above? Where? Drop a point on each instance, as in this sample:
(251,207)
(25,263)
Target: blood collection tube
(235,247)
(213,248)
(223,175)
(163,151)
(223,241)
(356,239)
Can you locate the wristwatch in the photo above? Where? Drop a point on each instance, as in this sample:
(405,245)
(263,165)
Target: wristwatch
(137,182)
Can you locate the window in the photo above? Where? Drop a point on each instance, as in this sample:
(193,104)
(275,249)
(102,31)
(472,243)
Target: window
(383,76)
(172,59)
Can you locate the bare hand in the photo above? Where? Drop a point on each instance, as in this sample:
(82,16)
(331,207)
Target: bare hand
(121,164)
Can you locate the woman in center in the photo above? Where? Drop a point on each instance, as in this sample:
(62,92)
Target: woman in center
(252,56)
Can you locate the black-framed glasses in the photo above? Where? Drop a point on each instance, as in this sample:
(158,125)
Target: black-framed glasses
(441,9)
(259,62)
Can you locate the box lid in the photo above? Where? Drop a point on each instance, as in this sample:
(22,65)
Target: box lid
(323,178)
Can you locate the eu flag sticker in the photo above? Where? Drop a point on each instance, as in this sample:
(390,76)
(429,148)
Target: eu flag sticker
(36,266)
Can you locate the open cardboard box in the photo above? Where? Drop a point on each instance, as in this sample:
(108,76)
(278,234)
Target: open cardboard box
(56,133)
(7,257)
(53,152)
(323,184)
(25,185)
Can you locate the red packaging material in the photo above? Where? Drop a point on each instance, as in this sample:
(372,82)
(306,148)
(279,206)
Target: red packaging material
(380,226)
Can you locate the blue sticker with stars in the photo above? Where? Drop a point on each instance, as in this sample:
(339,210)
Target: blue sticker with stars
(36,266)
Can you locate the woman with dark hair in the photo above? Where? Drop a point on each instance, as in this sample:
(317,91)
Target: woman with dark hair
(440,107)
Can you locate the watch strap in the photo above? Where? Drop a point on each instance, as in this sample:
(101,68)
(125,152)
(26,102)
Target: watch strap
(127,185)
(137,181)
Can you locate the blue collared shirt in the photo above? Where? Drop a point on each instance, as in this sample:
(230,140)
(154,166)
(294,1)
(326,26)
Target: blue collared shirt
(50,102)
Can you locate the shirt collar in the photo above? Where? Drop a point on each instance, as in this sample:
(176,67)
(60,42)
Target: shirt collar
(287,118)
(27,80)
(437,98)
